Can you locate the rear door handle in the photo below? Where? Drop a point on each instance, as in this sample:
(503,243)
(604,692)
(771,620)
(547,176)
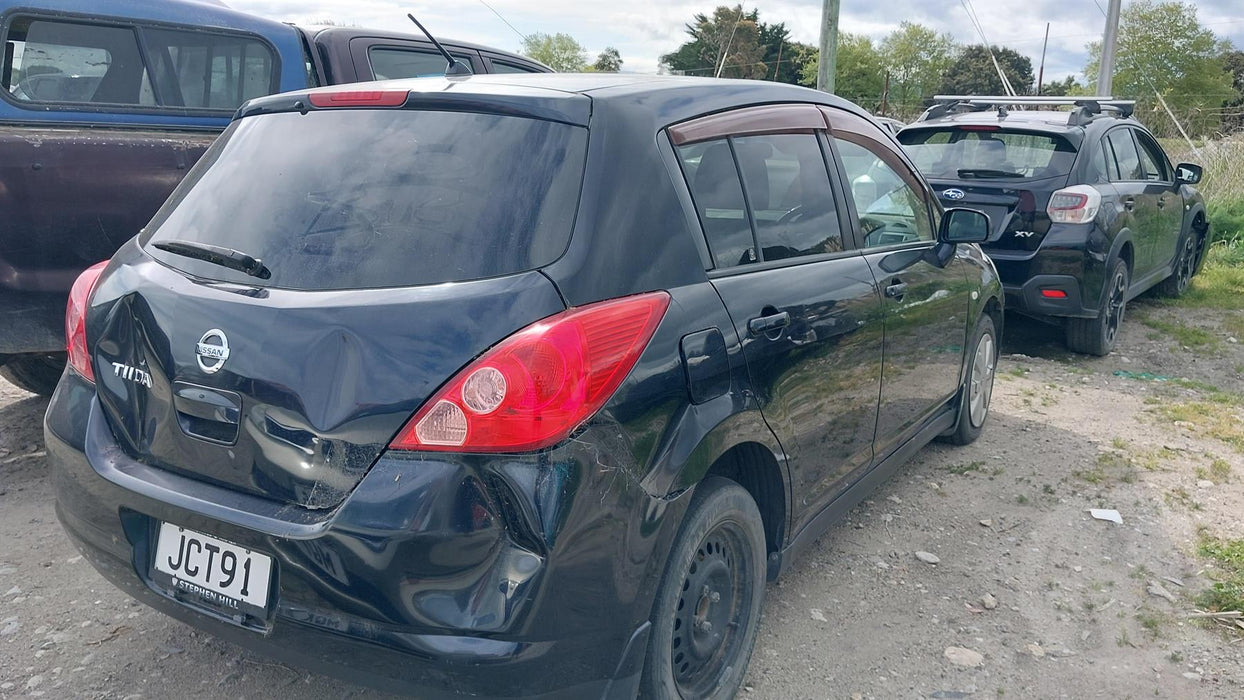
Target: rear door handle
(896,290)
(765,324)
(1129,203)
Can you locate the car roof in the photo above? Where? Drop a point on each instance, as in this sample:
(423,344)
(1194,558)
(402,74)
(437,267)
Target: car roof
(665,99)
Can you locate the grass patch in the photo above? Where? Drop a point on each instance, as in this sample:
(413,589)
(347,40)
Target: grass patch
(1220,284)
(1109,468)
(1187,336)
(965,469)
(1219,417)
(1227,593)
(1220,470)
(1180,497)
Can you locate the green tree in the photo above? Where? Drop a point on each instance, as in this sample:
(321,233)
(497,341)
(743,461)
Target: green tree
(858,75)
(916,58)
(728,43)
(557,51)
(1233,108)
(1067,86)
(608,61)
(784,59)
(1162,47)
(973,72)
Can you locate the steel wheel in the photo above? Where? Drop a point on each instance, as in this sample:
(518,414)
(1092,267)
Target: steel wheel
(712,607)
(981,389)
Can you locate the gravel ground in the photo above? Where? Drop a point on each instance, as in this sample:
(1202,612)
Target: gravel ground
(1030,596)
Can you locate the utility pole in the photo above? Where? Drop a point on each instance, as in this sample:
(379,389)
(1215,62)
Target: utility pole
(828,64)
(1105,73)
(1041,72)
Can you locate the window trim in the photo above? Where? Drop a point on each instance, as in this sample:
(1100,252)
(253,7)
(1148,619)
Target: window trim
(137,27)
(783,118)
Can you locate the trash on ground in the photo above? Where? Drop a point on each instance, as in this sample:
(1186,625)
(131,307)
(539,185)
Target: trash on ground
(1106,514)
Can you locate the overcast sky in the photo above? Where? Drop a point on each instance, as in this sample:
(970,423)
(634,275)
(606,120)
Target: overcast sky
(642,30)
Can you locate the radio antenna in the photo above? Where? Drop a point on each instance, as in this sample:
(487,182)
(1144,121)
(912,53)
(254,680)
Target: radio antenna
(456,68)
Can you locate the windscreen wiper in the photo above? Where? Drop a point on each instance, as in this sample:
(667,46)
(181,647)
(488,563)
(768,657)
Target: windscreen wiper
(987,172)
(218,255)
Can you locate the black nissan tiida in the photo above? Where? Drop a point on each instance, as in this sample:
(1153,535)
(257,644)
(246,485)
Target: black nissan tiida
(514,386)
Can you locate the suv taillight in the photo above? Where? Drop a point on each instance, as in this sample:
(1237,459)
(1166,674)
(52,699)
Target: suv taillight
(534,388)
(75,320)
(1074,205)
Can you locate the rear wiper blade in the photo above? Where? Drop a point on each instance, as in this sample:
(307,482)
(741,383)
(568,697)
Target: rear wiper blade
(218,255)
(986,172)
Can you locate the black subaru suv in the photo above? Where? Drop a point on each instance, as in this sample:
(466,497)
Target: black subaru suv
(514,386)
(1087,210)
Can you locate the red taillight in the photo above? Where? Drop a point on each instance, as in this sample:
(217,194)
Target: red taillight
(75,320)
(534,388)
(1053,294)
(359,98)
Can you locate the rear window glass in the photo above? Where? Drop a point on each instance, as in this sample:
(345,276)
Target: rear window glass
(388,64)
(349,199)
(52,61)
(210,71)
(961,153)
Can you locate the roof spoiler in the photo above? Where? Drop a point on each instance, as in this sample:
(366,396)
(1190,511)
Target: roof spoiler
(1086,107)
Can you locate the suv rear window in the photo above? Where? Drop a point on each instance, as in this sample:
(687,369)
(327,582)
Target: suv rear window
(995,154)
(351,199)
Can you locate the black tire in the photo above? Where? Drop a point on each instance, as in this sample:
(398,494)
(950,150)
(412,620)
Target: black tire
(37,374)
(977,391)
(1097,336)
(1185,266)
(715,574)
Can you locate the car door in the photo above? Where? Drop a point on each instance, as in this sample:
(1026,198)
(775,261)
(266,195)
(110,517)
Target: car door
(1160,185)
(1139,201)
(926,301)
(801,298)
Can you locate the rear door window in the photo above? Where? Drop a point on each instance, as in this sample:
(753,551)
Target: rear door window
(1125,155)
(73,62)
(379,198)
(789,195)
(503,67)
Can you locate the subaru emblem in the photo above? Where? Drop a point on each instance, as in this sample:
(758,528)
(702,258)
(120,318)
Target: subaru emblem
(212,351)
(954,193)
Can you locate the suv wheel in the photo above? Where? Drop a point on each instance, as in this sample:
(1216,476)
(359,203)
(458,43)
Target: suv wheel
(707,608)
(1097,336)
(1185,267)
(977,384)
(37,374)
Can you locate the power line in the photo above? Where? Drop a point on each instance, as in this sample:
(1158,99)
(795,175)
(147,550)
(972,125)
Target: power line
(507,22)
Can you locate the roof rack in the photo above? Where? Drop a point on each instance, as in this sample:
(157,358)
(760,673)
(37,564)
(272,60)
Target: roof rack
(1087,107)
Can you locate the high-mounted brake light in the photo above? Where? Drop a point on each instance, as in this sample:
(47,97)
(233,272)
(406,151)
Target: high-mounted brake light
(359,98)
(75,320)
(979,127)
(1074,205)
(533,389)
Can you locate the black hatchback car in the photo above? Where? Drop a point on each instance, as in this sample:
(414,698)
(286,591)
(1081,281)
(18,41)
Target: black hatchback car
(514,386)
(1087,210)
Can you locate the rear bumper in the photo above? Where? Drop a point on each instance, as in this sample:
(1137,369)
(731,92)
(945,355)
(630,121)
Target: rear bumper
(1071,259)
(32,321)
(421,582)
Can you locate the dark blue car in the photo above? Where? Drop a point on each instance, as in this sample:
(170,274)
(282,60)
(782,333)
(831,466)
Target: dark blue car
(514,385)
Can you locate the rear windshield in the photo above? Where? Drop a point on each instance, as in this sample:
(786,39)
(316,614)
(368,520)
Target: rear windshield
(350,199)
(1010,155)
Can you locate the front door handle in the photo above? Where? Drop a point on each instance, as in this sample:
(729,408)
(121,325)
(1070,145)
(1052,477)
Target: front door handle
(767,324)
(1161,202)
(896,290)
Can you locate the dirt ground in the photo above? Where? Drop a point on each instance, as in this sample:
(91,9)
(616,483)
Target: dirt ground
(1054,602)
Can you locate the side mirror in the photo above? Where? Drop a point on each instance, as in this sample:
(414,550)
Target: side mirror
(1188,173)
(964,226)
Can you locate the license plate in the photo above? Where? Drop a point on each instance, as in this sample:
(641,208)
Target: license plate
(220,573)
